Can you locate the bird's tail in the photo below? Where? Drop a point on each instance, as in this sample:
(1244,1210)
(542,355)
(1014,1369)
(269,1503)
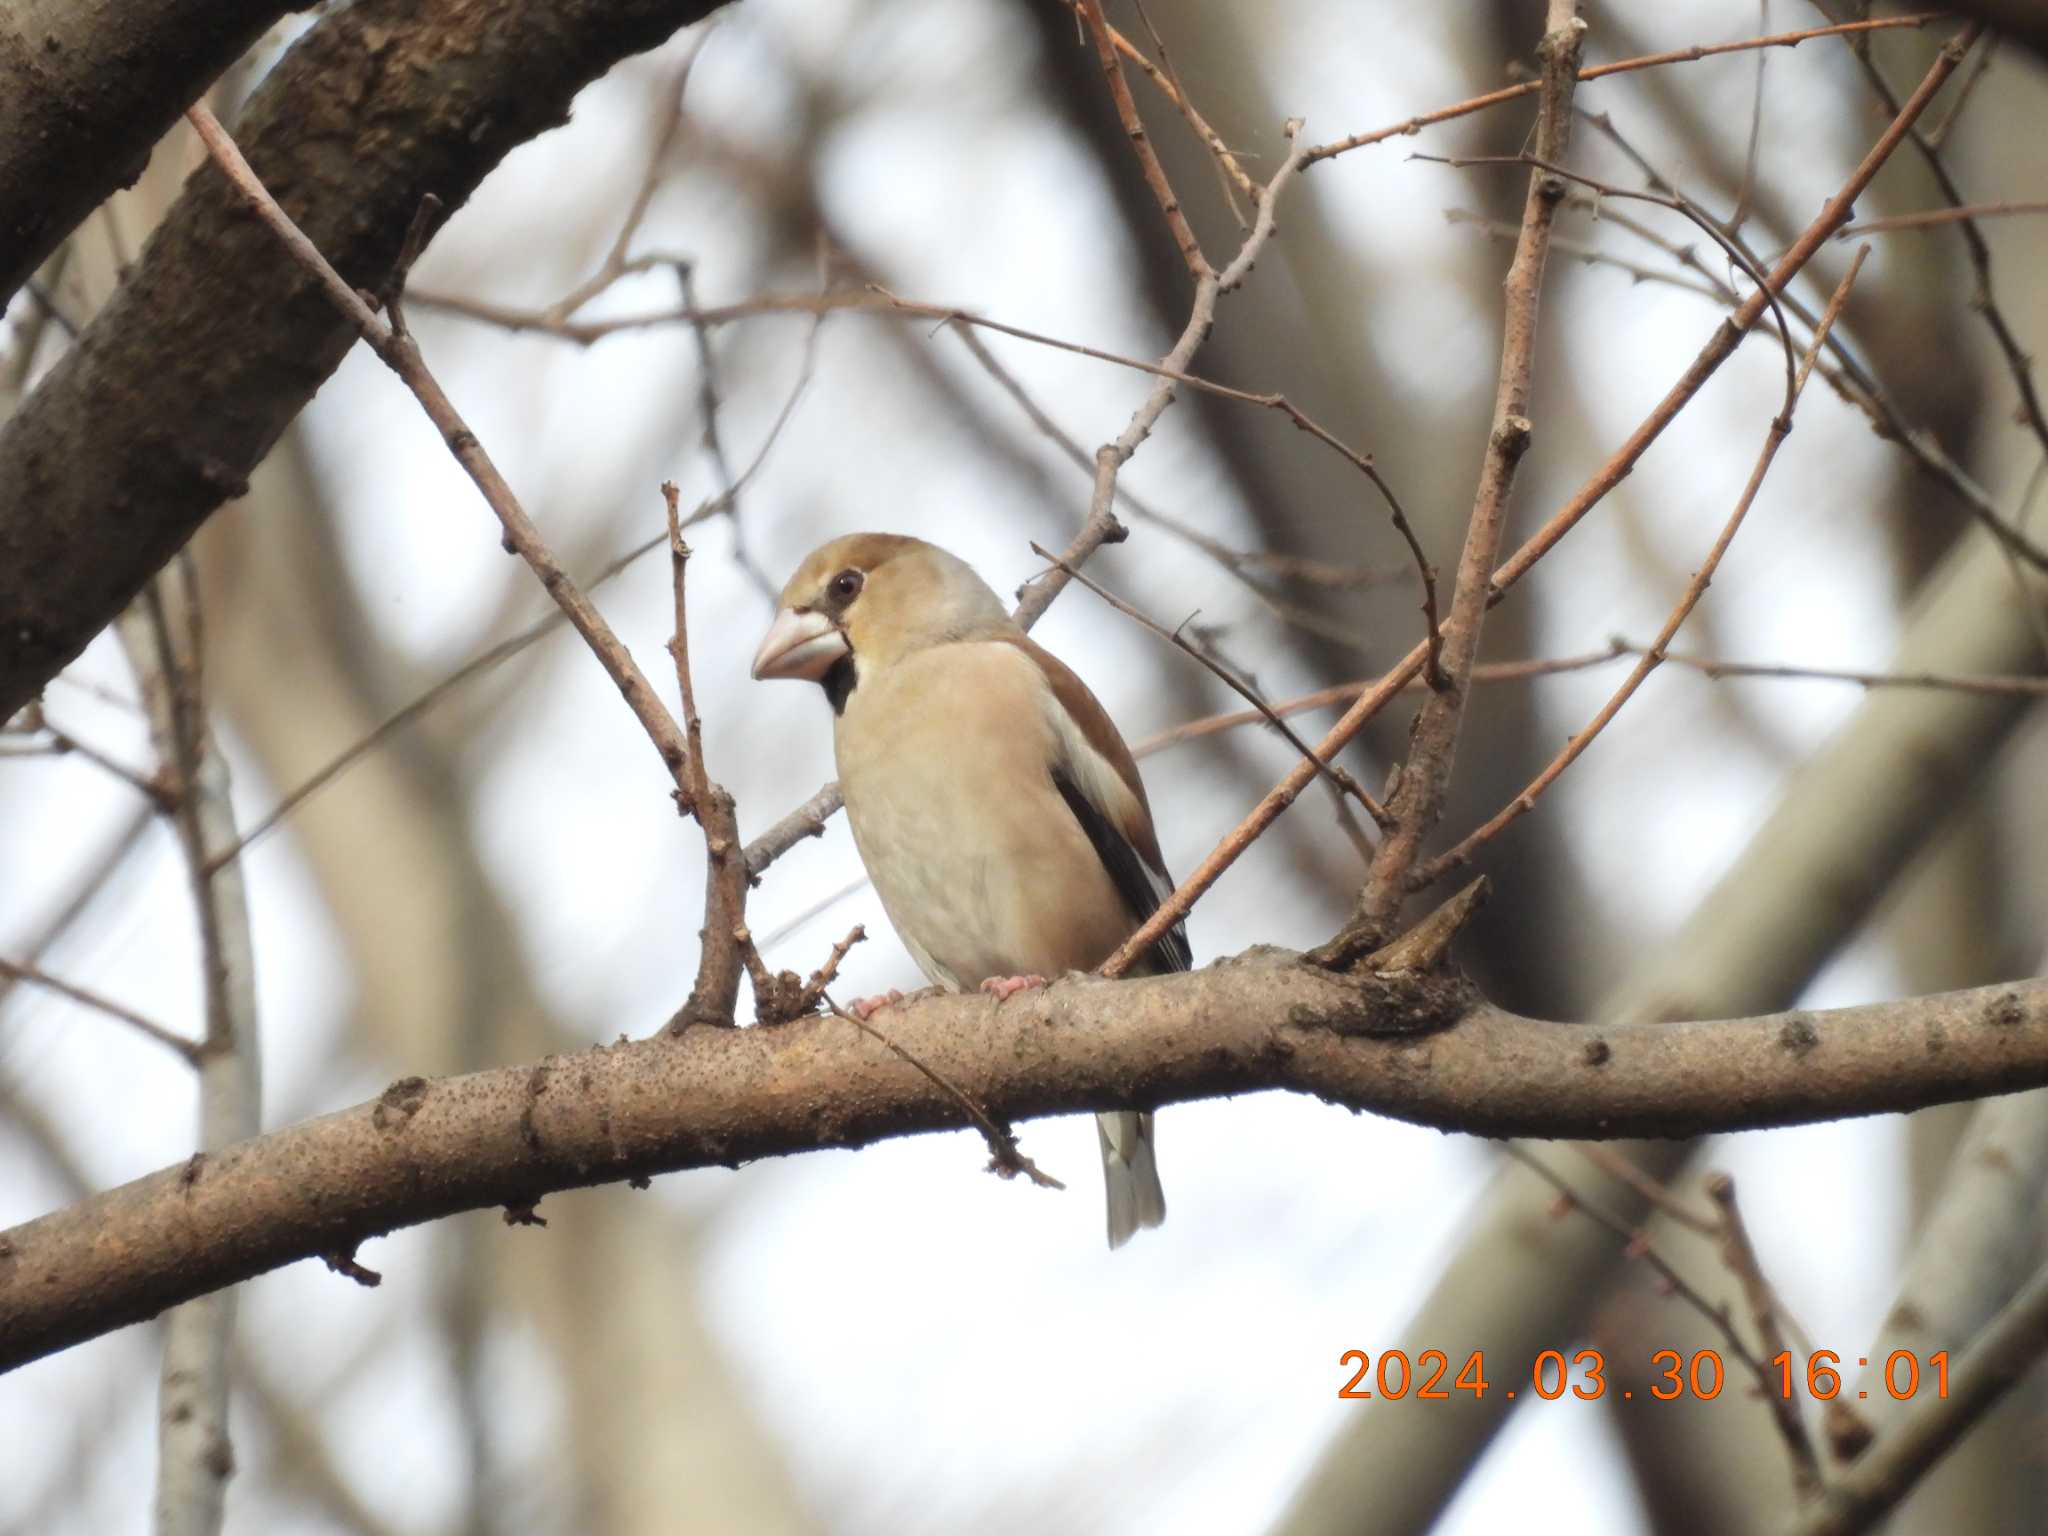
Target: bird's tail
(1131,1174)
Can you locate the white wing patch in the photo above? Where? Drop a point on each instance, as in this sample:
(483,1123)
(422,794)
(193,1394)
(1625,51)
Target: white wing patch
(1098,780)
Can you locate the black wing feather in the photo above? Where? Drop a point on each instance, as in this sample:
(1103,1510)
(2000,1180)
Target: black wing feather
(1127,871)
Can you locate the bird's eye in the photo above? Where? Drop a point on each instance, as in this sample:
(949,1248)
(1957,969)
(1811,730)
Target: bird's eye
(845,587)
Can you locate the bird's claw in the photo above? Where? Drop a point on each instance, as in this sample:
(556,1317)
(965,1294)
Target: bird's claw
(1003,988)
(863,1008)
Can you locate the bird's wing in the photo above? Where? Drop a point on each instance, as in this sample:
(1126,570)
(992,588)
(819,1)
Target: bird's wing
(1097,777)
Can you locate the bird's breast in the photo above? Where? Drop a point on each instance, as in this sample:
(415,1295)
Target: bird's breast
(945,765)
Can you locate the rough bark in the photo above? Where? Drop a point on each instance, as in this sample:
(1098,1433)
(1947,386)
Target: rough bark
(188,376)
(716,1095)
(86,88)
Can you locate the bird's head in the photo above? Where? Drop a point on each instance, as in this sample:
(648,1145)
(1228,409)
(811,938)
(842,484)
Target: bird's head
(869,599)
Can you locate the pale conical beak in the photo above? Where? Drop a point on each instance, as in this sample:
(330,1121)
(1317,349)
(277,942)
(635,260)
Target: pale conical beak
(799,645)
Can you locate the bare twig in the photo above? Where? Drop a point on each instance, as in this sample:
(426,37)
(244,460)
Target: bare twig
(728,949)
(1997,1360)
(1965,91)
(1417,800)
(617,263)
(1781,426)
(1584,251)
(585,333)
(194,1458)
(1849,377)
(1719,348)
(1638,1246)
(806,820)
(1344,693)
(1169,374)
(1931,217)
(2004,687)
(1141,144)
(402,355)
(1722,235)
(1690,55)
(1005,1157)
(1245,566)
(35,976)
(824,975)
(1739,215)
(1339,779)
(475,667)
(1162,75)
(1984,301)
(1110,458)
(1623,1169)
(1739,1254)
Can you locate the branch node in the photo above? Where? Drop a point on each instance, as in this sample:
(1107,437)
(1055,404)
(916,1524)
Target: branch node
(343,1262)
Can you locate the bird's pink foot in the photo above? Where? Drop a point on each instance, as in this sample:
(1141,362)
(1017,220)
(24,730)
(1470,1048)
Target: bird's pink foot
(1003,988)
(863,1008)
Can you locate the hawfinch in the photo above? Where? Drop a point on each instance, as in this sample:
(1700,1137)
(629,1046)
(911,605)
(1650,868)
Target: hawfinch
(998,812)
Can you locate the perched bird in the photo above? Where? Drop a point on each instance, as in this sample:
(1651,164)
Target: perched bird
(998,812)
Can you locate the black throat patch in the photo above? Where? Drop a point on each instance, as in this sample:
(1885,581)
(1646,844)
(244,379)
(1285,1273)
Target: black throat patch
(839,683)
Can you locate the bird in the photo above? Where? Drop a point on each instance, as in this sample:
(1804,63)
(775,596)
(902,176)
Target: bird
(999,814)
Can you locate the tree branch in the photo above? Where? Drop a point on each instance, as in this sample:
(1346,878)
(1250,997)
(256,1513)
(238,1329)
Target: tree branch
(174,394)
(86,91)
(1417,802)
(1416,1048)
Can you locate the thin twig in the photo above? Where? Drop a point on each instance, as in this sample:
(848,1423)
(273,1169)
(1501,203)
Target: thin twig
(1141,143)
(1228,173)
(1339,779)
(1005,1157)
(1344,693)
(63,742)
(617,263)
(1740,1255)
(1849,377)
(826,974)
(1781,426)
(1162,76)
(188,1050)
(728,949)
(1638,1246)
(1170,373)
(1623,1169)
(1727,336)
(475,667)
(1931,217)
(1965,91)
(1110,458)
(1997,1360)
(1984,301)
(1676,201)
(1591,255)
(1690,55)
(1985,684)
(1417,800)
(1739,215)
(399,352)
(1245,566)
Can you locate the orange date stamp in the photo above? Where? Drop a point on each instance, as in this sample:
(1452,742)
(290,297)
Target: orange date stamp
(1392,1375)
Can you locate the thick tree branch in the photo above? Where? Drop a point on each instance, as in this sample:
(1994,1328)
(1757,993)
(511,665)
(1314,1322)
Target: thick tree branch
(1420,1049)
(180,386)
(86,90)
